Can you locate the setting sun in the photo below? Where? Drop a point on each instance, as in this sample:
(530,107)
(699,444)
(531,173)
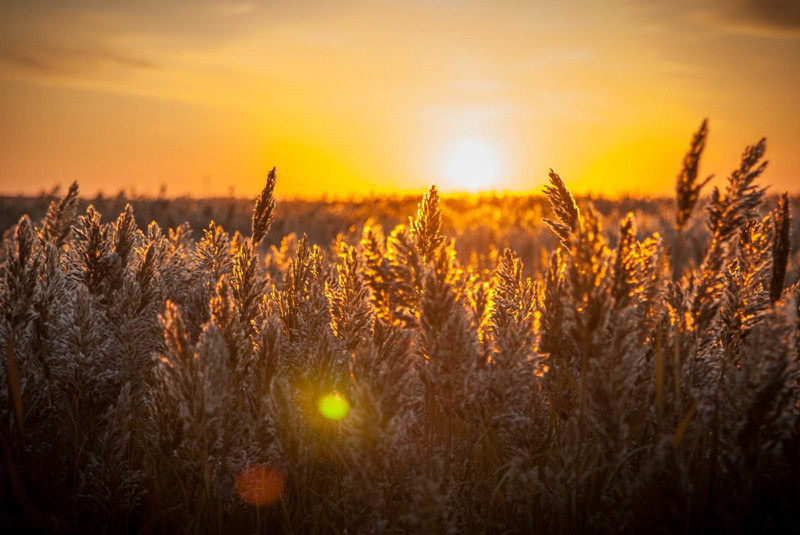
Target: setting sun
(472,165)
(377,97)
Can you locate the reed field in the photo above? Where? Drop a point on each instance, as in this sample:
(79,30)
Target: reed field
(429,364)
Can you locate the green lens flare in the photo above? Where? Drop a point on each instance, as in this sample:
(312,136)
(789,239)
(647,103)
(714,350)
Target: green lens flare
(333,407)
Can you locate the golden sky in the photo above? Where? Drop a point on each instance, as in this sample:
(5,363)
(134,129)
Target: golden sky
(358,97)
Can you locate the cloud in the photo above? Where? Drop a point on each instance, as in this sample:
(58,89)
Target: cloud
(770,18)
(767,18)
(55,36)
(58,59)
(778,14)
(556,58)
(237,7)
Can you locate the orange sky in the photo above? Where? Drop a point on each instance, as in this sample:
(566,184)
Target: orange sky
(379,96)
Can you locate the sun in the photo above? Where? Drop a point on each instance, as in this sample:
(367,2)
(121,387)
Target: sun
(472,165)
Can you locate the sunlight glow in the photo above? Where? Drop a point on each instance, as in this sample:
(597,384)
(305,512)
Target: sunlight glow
(472,165)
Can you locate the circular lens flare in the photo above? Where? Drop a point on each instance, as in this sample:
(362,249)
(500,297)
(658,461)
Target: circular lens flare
(259,484)
(333,407)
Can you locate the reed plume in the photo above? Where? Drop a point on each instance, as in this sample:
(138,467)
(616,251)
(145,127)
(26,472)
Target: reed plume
(605,368)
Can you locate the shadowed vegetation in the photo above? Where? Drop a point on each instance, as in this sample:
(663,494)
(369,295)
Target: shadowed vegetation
(488,365)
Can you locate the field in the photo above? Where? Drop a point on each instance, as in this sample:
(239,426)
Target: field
(432,364)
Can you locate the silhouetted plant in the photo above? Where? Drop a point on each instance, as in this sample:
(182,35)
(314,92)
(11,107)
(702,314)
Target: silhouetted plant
(486,374)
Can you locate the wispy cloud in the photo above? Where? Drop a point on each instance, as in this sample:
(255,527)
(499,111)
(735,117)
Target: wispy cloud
(58,59)
(545,61)
(237,7)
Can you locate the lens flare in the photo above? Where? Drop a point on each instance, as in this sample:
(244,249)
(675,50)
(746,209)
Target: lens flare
(259,484)
(333,407)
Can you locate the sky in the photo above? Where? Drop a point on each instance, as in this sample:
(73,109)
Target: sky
(354,98)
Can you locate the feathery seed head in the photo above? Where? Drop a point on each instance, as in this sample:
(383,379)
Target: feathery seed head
(426,226)
(263,210)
